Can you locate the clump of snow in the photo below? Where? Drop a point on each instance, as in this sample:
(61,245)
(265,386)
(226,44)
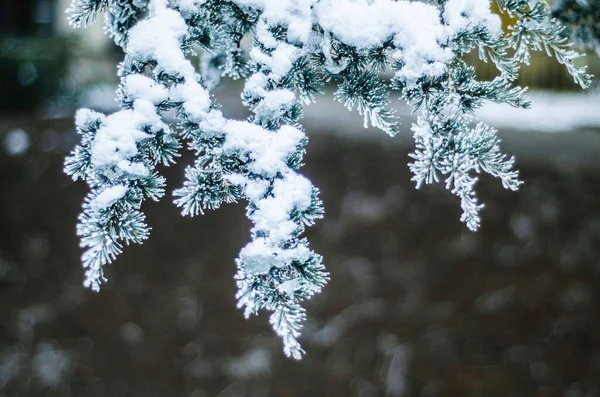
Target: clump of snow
(16,142)
(368,24)
(139,86)
(108,197)
(86,118)
(196,101)
(294,189)
(461,15)
(414,27)
(260,256)
(273,216)
(279,61)
(158,38)
(295,14)
(289,286)
(116,140)
(275,103)
(276,204)
(267,149)
(254,190)
(188,6)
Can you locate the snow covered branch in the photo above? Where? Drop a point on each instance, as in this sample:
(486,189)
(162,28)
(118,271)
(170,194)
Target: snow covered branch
(299,47)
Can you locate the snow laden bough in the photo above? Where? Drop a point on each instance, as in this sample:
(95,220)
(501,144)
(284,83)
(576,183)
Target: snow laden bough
(298,46)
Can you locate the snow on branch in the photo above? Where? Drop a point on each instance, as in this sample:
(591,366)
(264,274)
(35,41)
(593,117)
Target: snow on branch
(298,47)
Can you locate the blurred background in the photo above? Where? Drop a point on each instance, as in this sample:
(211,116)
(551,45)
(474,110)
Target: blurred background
(417,305)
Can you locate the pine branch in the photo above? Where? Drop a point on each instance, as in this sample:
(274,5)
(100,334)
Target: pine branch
(84,12)
(296,50)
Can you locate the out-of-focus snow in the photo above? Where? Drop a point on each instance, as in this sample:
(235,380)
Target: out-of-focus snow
(50,364)
(550,112)
(253,363)
(16,142)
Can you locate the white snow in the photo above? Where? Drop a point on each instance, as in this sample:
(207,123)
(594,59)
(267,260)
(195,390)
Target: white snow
(294,188)
(139,86)
(273,216)
(273,213)
(108,196)
(260,256)
(116,140)
(188,6)
(196,100)
(467,14)
(267,149)
(133,168)
(268,152)
(414,27)
(275,103)
(367,24)
(289,286)
(280,60)
(84,117)
(158,38)
(295,14)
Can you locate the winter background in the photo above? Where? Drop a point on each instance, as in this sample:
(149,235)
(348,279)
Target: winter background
(417,305)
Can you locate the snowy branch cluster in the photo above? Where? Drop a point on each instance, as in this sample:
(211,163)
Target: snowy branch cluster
(298,47)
